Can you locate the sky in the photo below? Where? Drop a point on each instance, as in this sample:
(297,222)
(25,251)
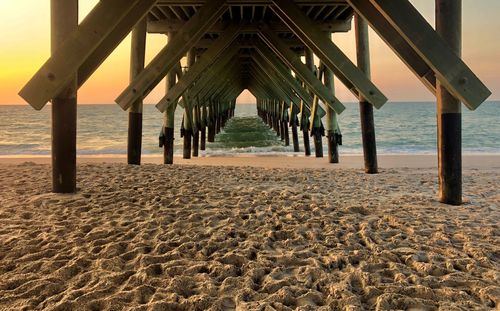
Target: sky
(25,46)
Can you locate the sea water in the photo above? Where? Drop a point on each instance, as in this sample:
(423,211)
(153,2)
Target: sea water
(401,128)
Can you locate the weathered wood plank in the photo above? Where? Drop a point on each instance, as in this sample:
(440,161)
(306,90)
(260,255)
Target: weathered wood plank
(106,47)
(328,52)
(137,59)
(294,62)
(366,110)
(274,63)
(64,20)
(450,70)
(164,26)
(206,59)
(396,42)
(248,2)
(185,39)
(61,67)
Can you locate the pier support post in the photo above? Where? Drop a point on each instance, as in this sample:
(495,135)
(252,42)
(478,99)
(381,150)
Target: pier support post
(137,58)
(169,119)
(203,128)
(286,133)
(203,138)
(284,124)
(196,132)
(316,131)
(305,135)
(366,109)
(449,115)
(186,154)
(64,19)
(332,129)
(211,123)
(218,118)
(188,113)
(169,124)
(295,133)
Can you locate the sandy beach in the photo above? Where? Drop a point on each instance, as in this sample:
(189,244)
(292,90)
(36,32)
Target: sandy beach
(277,235)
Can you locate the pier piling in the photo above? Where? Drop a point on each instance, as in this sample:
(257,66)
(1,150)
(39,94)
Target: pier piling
(366,108)
(169,117)
(260,50)
(449,115)
(64,19)
(137,59)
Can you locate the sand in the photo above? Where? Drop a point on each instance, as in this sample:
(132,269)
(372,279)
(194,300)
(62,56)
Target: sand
(246,238)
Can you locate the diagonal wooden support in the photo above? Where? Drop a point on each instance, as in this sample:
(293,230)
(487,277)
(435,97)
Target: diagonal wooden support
(274,63)
(450,70)
(294,62)
(222,93)
(396,42)
(211,80)
(270,69)
(328,52)
(61,67)
(262,66)
(283,92)
(218,69)
(185,39)
(206,59)
(106,47)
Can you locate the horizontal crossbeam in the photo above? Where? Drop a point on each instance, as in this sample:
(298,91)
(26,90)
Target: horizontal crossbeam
(165,26)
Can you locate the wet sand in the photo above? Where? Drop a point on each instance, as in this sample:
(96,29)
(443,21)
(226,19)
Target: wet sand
(247,238)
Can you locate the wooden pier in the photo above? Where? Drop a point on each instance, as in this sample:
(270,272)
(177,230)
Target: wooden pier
(268,47)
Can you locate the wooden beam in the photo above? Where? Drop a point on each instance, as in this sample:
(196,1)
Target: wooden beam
(294,62)
(167,25)
(61,67)
(244,43)
(185,39)
(284,93)
(64,20)
(229,76)
(215,73)
(137,59)
(450,70)
(246,2)
(366,110)
(333,135)
(273,73)
(396,42)
(449,112)
(204,62)
(274,63)
(211,80)
(106,47)
(328,52)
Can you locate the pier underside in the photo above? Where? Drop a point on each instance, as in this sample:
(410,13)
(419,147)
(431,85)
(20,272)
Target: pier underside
(279,50)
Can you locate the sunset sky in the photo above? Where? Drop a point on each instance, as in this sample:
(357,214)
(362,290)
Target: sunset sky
(25,46)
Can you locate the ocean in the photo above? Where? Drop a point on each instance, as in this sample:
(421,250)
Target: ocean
(401,128)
